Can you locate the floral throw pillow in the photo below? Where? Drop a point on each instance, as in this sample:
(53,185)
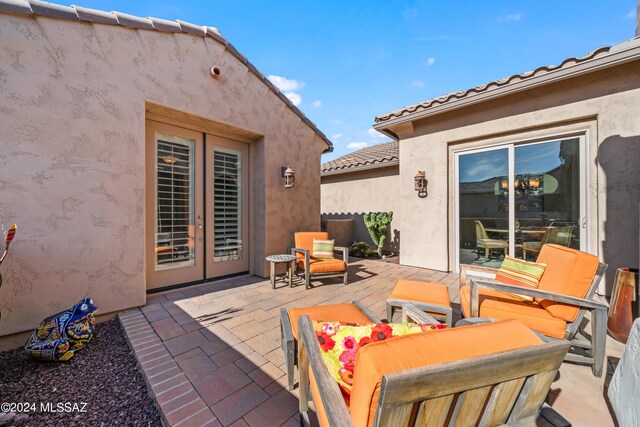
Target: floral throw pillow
(341,341)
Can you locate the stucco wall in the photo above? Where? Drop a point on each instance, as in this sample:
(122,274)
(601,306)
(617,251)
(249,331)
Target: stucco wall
(72,114)
(351,195)
(602,105)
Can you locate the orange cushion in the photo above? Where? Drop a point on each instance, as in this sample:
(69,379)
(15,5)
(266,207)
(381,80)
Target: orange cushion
(413,351)
(569,272)
(304,240)
(324,265)
(499,305)
(432,293)
(349,313)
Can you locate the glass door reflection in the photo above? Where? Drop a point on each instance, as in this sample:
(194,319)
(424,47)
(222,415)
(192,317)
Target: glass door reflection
(547,196)
(483,203)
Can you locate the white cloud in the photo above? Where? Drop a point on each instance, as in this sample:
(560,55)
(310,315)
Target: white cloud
(431,61)
(511,17)
(357,145)
(294,97)
(417,83)
(317,104)
(375,134)
(337,136)
(285,84)
(631,15)
(288,87)
(336,122)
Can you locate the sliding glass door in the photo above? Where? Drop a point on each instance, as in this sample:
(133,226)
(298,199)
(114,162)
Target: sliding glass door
(514,198)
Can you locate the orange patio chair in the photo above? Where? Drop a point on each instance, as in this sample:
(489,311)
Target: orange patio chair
(488,374)
(565,293)
(318,267)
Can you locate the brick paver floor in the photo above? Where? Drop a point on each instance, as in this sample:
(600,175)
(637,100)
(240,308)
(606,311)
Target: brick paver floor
(211,353)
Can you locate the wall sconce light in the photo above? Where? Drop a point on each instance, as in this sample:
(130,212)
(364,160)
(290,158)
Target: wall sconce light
(289,178)
(421,182)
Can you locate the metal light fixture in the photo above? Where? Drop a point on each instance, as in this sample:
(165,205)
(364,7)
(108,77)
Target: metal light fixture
(169,159)
(289,178)
(420,184)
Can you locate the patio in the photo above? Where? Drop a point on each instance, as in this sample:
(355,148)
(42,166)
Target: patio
(211,353)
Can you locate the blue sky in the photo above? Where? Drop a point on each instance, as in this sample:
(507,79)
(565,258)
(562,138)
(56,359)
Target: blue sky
(347,61)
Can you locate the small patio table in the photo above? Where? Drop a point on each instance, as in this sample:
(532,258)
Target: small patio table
(276,259)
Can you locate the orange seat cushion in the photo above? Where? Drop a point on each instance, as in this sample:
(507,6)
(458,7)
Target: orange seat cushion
(569,272)
(413,351)
(349,313)
(304,240)
(324,265)
(432,293)
(499,305)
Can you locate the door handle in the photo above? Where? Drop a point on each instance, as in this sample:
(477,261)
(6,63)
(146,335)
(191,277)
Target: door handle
(199,226)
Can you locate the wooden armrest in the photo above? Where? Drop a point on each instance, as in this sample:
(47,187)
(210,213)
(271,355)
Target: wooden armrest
(412,313)
(537,293)
(285,324)
(300,250)
(345,252)
(310,357)
(467,270)
(367,312)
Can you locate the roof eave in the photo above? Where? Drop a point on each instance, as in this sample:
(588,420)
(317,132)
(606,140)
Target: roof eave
(377,165)
(618,57)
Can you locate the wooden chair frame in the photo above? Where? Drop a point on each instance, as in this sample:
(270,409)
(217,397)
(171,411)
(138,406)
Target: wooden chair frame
(308,275)
(594,347)
(508,387)
(289,344)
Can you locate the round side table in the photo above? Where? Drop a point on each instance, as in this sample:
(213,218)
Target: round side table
(276,259)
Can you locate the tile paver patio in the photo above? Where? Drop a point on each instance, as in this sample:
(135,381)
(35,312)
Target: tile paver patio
(212,354)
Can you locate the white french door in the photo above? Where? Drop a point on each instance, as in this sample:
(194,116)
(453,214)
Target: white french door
(196,200)
(516,197)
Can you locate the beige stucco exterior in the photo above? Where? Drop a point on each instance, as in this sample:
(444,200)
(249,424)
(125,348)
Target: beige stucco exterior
(604,106)
(74,98)
(353,194)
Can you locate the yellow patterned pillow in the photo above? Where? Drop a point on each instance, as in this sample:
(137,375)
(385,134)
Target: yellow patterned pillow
(519,272)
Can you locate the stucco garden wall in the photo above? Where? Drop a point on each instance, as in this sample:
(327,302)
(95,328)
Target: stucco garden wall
(72,115)
(604,105)
(351,195)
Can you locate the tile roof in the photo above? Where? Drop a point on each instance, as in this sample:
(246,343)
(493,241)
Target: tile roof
(83,14)
(496,84)
(379,155)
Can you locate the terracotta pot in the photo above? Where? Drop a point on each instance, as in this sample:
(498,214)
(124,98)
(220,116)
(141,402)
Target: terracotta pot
(625,303)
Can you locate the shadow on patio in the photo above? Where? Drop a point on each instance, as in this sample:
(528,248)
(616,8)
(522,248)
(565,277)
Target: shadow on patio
(212,354)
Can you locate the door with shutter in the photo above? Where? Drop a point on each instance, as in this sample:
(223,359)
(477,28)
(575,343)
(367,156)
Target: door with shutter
(174,204)
(226,207)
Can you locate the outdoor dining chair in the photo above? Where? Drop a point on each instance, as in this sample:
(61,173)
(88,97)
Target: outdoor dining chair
(565,293)
(314,267)
(487,374)
(484,242)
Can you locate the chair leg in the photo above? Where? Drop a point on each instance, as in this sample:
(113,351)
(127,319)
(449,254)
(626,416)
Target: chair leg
(344,278)
(290,356)
(486,254)
(598,339)
(307,279)
(390,310)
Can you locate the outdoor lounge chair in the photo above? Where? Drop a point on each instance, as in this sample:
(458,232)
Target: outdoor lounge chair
(488,374)
(318,267)
(565,293)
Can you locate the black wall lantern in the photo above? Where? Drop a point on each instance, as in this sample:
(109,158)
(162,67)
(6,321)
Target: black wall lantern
(289,178)
(420,182)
